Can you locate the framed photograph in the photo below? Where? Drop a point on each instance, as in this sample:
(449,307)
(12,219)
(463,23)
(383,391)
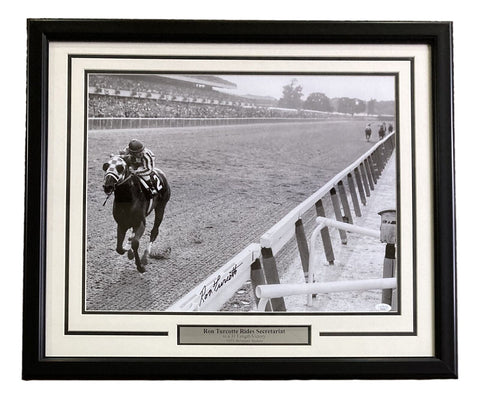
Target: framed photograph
(239,200)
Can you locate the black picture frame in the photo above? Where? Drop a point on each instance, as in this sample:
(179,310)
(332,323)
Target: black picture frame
(437,35)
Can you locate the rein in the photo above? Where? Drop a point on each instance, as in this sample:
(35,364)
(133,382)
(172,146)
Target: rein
(106,199)
(118,183)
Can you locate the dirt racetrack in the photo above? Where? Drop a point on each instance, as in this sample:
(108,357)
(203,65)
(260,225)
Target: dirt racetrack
(229,185)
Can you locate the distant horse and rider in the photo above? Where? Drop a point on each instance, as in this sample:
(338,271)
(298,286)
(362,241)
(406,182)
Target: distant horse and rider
(139,188)
(368,131)
(382,130)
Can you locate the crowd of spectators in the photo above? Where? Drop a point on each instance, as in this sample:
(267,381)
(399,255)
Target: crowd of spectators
(163,88)
(131,107)
(118,97)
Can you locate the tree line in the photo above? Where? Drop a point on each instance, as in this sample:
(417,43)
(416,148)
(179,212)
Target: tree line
(292,98)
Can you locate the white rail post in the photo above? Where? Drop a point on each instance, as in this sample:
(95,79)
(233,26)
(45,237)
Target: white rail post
(353,194)
(327,242)
(358,179)
(388,233)
(272,277)
(257,277)
(376,163)
(338,214)
(312,258)
(262,304)
(302,246)
(372,169)
(363,173)
(369,175)
(344,201)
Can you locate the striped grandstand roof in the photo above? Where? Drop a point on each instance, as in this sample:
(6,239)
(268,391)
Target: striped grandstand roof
(207,80)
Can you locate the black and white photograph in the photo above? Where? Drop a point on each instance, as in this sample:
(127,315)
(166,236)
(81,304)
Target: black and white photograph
(247,185)
(239,200)
(241,192)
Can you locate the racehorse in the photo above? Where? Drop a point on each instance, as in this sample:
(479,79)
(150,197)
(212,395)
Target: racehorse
(368,132)
(381,132)
(132,204)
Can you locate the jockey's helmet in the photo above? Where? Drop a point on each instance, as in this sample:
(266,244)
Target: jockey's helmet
(135,146)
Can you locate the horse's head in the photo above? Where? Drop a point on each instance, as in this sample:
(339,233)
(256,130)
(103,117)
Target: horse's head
(115,170)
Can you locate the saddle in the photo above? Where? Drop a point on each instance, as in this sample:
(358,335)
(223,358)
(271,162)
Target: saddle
(153,184)
(160,180)
(154,187)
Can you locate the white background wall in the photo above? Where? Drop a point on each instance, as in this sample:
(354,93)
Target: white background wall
(466,36)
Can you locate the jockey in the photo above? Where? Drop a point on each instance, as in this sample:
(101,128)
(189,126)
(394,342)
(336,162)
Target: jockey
(381,131)
(368,131)
(141,162)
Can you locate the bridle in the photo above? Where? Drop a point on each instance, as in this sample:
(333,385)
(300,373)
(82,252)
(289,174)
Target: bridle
(118,177)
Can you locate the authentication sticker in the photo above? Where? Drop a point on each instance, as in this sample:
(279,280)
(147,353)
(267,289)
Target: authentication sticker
(243,335)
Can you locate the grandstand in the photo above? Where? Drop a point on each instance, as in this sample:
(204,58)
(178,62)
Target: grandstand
(177,96)
(181,88)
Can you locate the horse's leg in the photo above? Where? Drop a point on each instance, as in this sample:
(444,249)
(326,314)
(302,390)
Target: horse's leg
(121,231)
(130,251)
(159,212)
(136,243)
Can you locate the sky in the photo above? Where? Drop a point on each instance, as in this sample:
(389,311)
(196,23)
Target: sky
(380,88)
